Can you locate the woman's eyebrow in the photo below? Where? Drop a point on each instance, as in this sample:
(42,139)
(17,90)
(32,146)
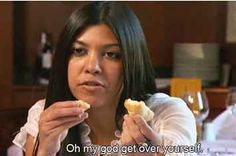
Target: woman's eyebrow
(113,45)
(110,45)
(81,43)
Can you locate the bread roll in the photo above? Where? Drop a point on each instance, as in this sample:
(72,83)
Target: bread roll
(135,107)
(83,104)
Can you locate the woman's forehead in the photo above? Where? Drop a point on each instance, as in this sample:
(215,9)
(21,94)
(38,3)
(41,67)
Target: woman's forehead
(100,34)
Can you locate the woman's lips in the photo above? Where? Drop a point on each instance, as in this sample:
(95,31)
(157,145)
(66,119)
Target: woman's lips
(92,85)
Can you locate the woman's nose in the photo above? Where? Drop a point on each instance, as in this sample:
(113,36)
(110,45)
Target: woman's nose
(93,64)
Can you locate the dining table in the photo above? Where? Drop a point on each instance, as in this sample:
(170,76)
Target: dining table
(218,148)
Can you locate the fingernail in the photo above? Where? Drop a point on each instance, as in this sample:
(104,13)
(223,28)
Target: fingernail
(74,103)
(82,110)
(125,116)
(84,115)
(81,114)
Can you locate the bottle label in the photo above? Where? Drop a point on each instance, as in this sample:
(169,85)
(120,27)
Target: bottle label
(47,60)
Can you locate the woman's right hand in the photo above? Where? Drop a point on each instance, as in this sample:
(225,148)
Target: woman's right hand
(54,122)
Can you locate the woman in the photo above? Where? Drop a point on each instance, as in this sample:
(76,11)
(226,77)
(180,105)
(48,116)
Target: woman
(102,59)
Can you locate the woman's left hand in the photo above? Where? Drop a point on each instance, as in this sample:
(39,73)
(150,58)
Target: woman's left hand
(136,131)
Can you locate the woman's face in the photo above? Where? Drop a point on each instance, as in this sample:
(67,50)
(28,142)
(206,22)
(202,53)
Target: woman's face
(95,67)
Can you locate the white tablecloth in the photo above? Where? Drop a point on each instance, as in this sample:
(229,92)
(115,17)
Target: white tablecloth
(219,148)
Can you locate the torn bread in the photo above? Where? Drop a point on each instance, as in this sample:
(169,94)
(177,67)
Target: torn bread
(138,107)
(83,104)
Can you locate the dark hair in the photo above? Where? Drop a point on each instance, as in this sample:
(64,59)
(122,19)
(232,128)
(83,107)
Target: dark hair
(138,71)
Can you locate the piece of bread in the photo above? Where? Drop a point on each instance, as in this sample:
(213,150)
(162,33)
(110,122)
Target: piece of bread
(83,104)
(139,107)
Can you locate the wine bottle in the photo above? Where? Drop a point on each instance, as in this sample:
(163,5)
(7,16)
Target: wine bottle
(46,52)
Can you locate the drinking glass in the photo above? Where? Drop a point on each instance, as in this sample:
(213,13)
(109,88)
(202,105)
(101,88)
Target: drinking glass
(198,103)
(231,102)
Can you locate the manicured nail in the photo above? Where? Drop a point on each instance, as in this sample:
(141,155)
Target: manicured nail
(84,115)
(74,103)
(125,116)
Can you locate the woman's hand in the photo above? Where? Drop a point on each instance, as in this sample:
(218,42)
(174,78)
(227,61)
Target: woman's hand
(54,123)
(136,131)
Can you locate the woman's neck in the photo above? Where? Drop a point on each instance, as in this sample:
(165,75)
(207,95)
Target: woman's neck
(102,124)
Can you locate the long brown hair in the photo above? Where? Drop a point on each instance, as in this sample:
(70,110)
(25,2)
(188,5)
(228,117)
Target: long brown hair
(138,71)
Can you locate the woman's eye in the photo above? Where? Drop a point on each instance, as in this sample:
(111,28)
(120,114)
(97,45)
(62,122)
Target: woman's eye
(79,51)
(113,55)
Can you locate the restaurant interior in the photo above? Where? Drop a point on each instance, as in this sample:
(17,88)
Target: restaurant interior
(178,34)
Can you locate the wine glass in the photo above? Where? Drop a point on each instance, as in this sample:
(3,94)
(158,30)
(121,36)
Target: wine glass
(231,102)
(198,103)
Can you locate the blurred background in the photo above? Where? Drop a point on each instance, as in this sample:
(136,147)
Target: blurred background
(29,32)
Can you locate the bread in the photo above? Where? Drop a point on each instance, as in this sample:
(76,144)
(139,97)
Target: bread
(138,107)
(83,104)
